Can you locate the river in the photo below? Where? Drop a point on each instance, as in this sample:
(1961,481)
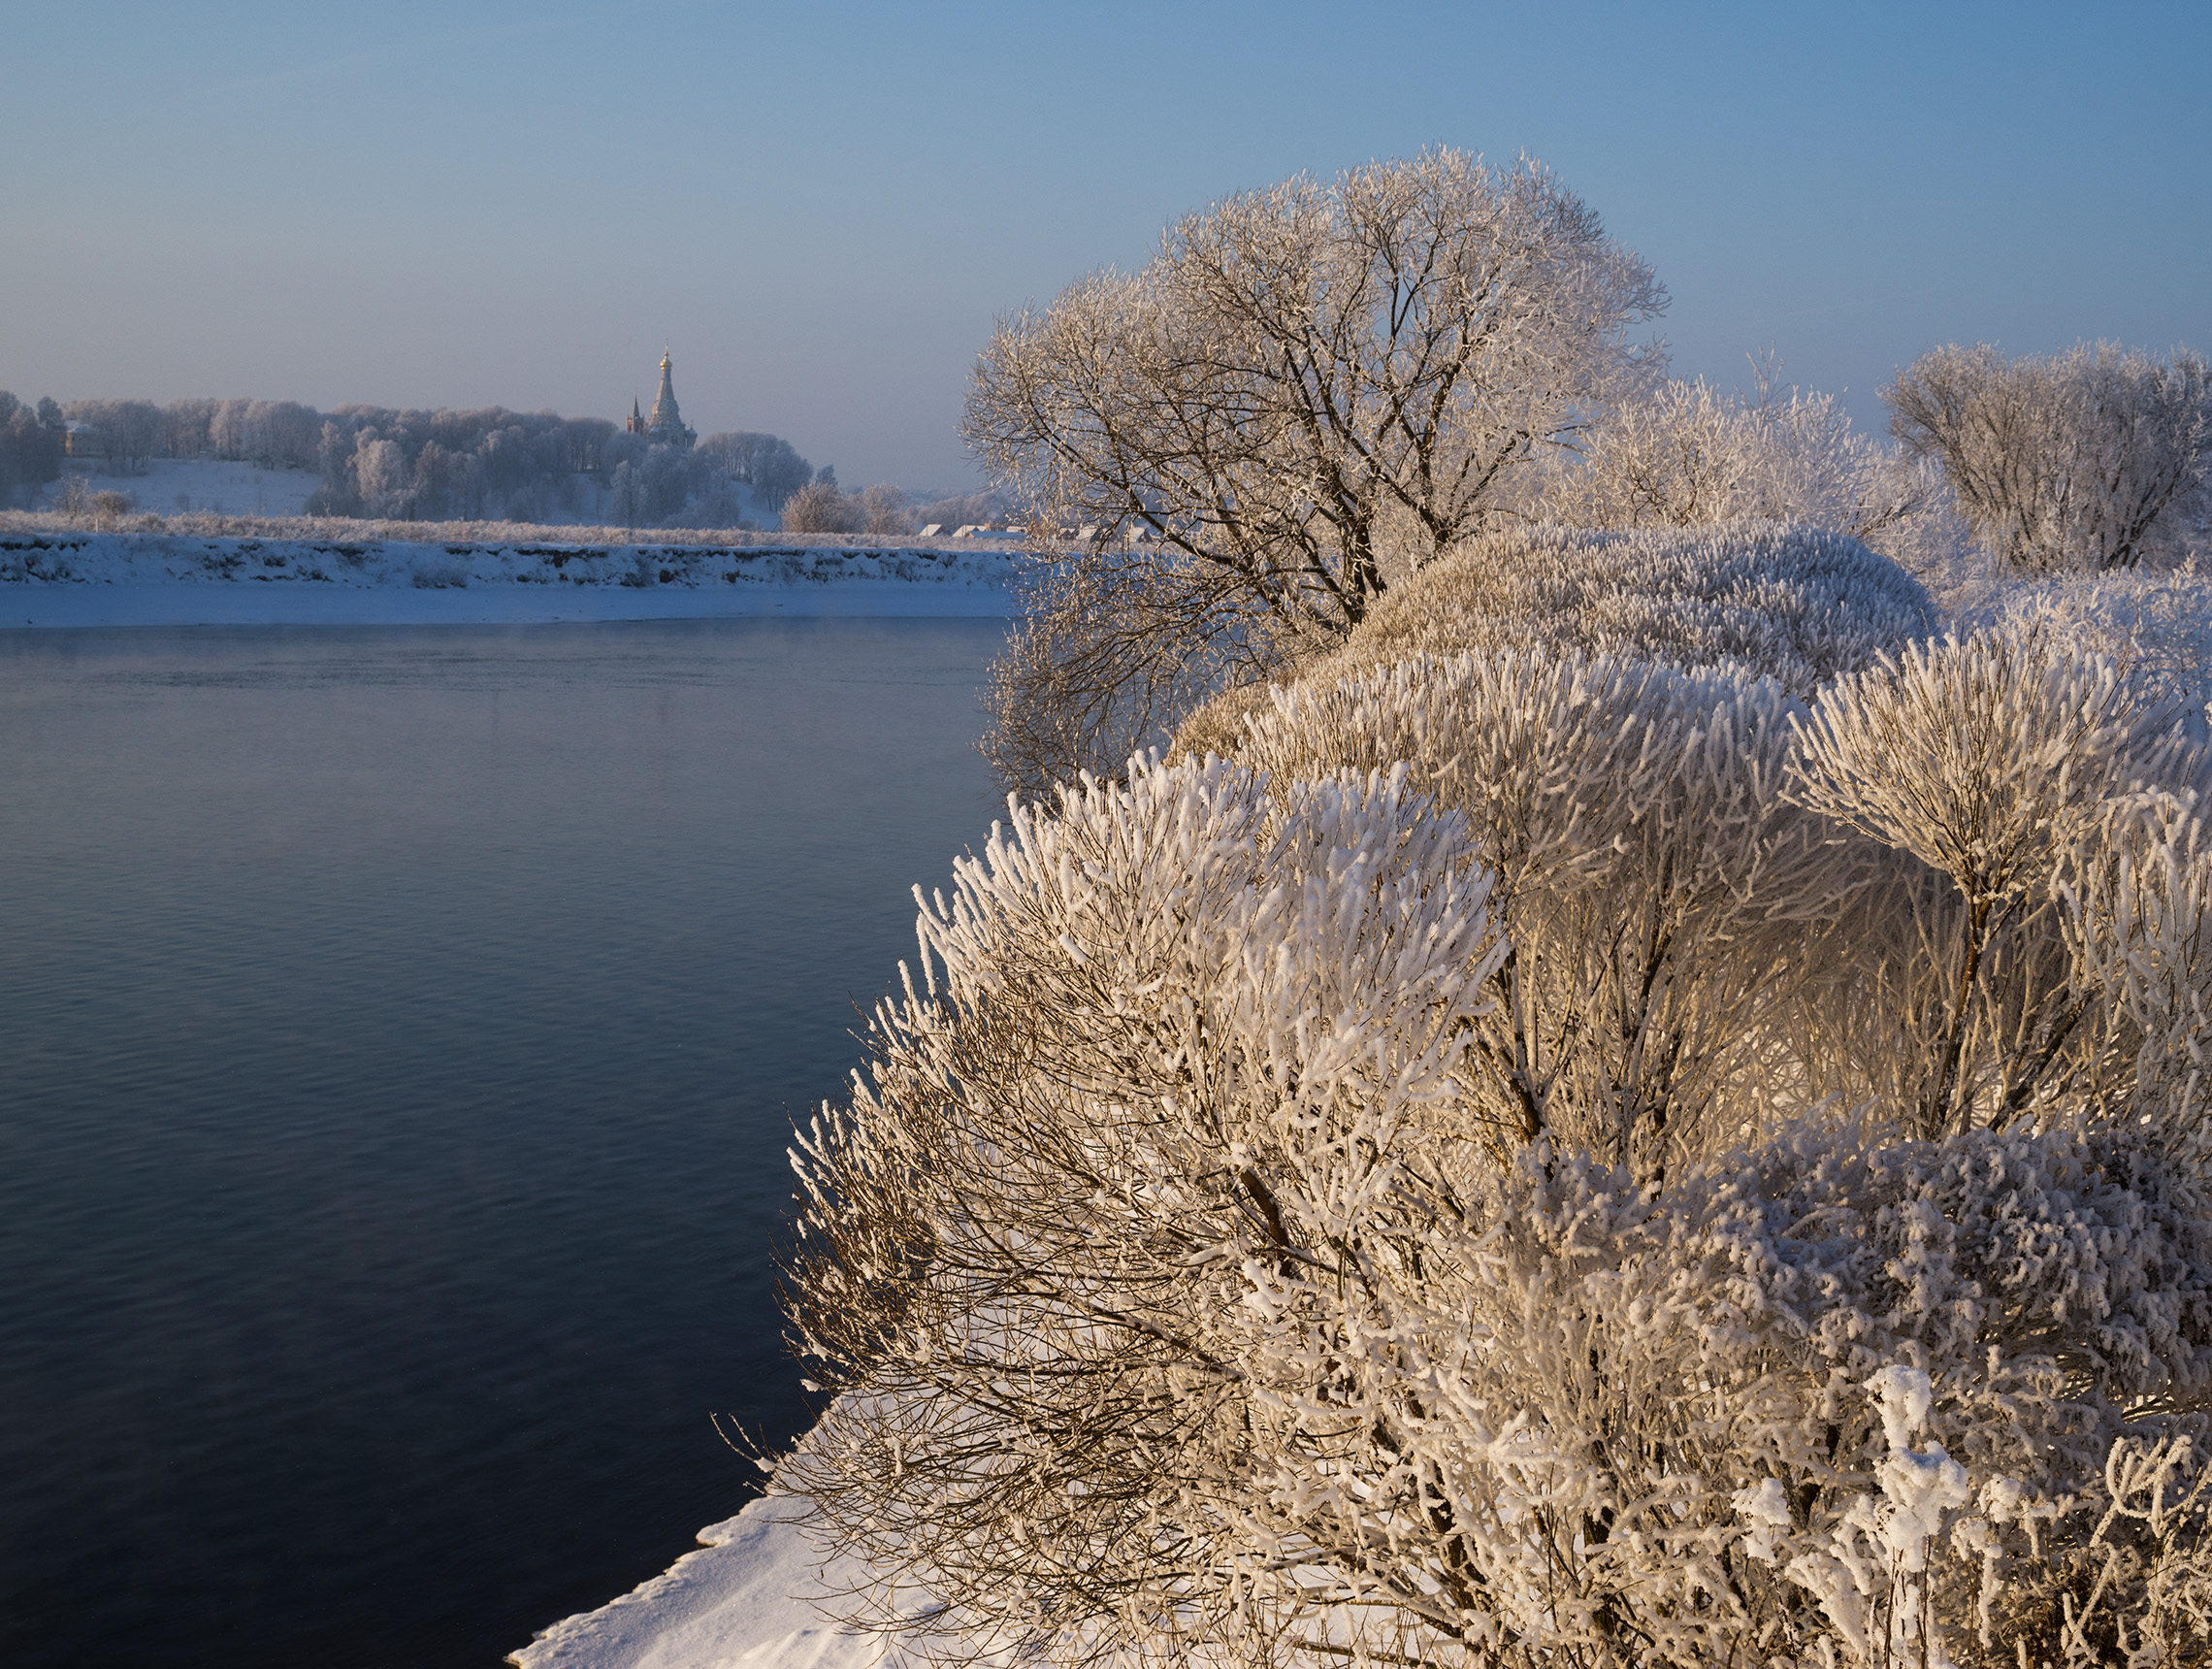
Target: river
(401,1032)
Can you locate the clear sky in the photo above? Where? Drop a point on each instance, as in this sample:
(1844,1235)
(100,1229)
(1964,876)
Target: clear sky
(821,207)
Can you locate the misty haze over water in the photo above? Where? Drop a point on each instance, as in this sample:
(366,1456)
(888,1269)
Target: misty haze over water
(402,1031)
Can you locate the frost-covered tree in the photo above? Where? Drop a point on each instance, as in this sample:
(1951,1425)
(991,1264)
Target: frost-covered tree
(884,512)
(1688,455)
(1304,385)
(127,431)
(2075,461)
(380,475)
(819,506)
(771,466)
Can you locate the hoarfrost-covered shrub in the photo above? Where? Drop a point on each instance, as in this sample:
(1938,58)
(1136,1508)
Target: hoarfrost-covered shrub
(1183,1313)
(1545,1158)
(1665,902)
(1186,1031)
(2156,624)
(1751,1418)
(2010,764)
(1795,604)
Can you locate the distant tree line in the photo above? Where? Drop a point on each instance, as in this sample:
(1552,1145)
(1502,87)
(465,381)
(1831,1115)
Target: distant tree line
(490,463)
(275,434)
(496,464)
(771,466)
(376,461)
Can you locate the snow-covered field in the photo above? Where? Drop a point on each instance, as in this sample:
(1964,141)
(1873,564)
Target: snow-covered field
(68,578)
(221,486)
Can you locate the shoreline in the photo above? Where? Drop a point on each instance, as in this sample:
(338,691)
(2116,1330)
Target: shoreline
(156,579)
(61,606)
(754,1591)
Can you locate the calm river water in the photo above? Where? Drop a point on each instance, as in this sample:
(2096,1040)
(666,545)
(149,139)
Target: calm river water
(398,1033)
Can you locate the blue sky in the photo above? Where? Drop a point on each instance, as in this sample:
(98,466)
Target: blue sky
(821,208)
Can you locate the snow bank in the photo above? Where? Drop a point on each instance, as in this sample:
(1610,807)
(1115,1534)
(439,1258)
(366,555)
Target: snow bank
(748,1595)
(58,579)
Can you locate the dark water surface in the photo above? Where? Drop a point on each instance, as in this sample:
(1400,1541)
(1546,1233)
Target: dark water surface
(399,1032)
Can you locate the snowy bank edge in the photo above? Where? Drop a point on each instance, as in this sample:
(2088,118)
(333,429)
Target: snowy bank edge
(126,580)
(749,1593)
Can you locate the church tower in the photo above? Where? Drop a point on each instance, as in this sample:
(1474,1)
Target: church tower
(666,425)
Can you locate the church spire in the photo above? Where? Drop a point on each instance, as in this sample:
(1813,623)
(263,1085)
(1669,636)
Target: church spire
(666,425)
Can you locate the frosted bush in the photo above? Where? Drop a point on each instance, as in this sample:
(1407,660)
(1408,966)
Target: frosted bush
(2156,624)
(1889,896)
(1541,1157)
(1665,902)
(1195,1322)
(1794,605)
(2003,762)
(1254,1008)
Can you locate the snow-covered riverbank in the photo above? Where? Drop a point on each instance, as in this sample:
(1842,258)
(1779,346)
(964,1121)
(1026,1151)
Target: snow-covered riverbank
(52,578)
(750,1594)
